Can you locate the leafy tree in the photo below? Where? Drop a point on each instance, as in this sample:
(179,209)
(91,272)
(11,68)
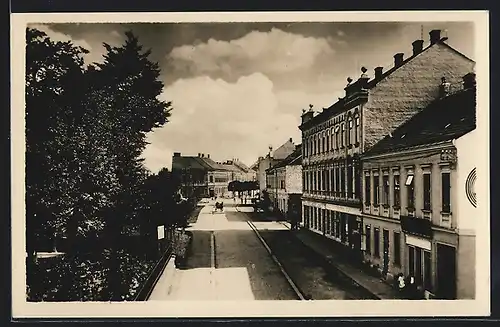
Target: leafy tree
(52,68)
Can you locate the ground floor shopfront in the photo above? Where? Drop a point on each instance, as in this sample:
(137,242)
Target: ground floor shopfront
(335,222)
(439,268)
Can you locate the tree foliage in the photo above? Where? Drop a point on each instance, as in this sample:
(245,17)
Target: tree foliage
(85,131)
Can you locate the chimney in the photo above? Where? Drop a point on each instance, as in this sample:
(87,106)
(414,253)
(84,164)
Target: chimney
(469,81)
(435,36)
(307,115)
(398,59)
(378,72)
(177,154)
(418,45)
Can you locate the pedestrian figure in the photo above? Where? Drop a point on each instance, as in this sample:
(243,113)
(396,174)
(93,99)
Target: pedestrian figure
(401,283)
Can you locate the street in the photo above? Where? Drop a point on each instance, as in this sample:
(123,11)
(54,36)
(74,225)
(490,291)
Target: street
(228,261)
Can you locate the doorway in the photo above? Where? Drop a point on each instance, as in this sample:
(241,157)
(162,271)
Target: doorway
(385,244)
(446,272)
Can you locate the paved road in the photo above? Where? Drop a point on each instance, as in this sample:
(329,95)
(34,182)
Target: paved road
(315,280)
(227,262)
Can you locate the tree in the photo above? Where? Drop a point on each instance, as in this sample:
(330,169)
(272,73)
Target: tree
(52,68)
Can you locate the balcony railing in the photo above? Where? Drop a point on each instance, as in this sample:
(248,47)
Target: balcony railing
(416,226)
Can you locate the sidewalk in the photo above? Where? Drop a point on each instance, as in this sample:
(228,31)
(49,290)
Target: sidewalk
(323,246)
(327,249)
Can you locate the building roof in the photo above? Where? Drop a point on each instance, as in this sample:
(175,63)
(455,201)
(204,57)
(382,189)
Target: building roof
(206,163)
(443,120)
(190,162)
(295,158)
(338,106)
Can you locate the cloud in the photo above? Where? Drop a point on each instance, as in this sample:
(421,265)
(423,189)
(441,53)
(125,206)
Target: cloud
(271,53)
(228,120)
(60,37)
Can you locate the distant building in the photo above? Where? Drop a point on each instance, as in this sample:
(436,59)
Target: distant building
(419,199)
(264,163)
(284,183)
(201,176)
(372,108)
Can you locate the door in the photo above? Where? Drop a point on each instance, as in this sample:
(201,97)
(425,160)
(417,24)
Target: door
(446,272)
(386,251)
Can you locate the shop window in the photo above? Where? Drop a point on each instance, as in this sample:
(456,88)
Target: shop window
(427,271)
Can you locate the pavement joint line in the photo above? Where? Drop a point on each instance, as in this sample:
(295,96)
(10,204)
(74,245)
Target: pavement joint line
(289,280)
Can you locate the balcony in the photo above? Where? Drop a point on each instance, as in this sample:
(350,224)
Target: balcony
(416,226)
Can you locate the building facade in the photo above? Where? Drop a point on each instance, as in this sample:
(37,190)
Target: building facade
(372,108)
(284,184)
(201,176)
(272,158)
(419,200)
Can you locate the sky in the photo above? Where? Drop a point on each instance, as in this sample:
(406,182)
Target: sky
(238,88)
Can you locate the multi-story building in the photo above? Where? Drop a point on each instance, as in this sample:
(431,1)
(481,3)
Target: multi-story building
(371,109)
(264,163)
(284,182)
(419,198)
(201,176)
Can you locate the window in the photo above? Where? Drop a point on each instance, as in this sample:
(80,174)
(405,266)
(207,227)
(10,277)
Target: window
(427,191)
(410,192)
(397,248)
(357,182)
(397,189)
(385,181)
(342,181)
(367,190)
(368,236)
(323,143)
(376,240)
(342,136)
(327,143)
(337,224)
(376,190)
(211,178)
(332,139)
(356,130)
(324,179)
(445,189)
(349,131)
(349,181)
(282,184)
(337,138)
